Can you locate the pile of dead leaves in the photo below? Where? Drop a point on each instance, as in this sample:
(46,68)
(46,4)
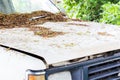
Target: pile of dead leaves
(20,20)
(45,32)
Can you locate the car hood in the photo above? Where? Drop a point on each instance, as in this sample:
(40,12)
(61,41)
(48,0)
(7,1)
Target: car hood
(80,39)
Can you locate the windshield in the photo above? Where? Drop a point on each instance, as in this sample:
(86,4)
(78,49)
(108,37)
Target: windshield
(25,6)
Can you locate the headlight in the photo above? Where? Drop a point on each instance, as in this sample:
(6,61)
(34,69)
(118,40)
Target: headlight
(35,75)
(66,75)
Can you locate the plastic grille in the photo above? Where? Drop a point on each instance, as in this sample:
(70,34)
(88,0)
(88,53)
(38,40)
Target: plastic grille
(106,70)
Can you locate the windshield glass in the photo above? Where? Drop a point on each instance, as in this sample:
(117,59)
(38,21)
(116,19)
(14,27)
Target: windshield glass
(25,6)
(34,5)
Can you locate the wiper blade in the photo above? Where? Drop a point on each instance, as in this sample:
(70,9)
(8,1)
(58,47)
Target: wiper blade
(37,17)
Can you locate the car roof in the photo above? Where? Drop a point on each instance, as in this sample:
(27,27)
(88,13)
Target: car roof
(79,39)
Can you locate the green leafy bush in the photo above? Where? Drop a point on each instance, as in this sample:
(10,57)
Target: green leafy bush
(85,9)
(111,13)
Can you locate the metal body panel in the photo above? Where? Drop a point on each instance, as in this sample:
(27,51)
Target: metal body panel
(13,65)
(81,39)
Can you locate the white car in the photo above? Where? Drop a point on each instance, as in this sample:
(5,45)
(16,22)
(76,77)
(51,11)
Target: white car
(86,51)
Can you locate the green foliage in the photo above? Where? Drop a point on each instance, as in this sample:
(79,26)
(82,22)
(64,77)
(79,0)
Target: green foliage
(85,9)
(111,13)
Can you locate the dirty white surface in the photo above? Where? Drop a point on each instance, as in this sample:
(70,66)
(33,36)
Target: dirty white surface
(13,65)
(79,40)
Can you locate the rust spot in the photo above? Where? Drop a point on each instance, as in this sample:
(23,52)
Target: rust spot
(104,34)
(69,45)
(77,20)
(77,24)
